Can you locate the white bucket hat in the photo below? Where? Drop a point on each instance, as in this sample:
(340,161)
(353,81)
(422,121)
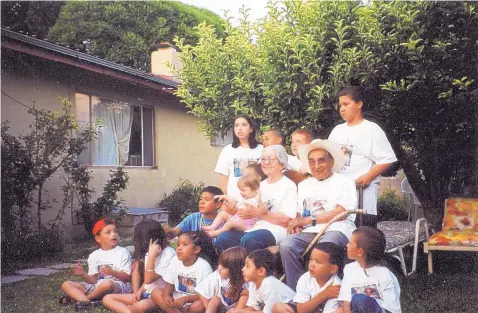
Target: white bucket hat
(327,145)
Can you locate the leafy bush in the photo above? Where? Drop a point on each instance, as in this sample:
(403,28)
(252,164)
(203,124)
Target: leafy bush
(391,207)
(90,211)
(182,201)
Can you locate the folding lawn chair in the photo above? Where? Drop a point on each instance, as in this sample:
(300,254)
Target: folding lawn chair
(459,230)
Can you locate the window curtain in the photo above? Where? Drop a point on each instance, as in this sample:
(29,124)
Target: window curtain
(113,121)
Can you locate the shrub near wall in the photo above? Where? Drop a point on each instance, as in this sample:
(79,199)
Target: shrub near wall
(391,207)
(182,201)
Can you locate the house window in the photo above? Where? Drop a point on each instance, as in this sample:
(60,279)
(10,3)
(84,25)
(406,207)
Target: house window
(218,141)
(125,133)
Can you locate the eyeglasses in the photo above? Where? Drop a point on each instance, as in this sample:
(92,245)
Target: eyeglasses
(318,161)
(268,160)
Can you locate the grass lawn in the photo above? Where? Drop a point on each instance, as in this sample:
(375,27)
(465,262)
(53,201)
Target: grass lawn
(452,289)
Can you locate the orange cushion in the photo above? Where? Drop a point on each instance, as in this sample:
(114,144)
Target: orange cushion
(465,237)
(461,213)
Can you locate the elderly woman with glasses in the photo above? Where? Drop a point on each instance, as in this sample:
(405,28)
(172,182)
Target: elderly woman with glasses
(277,206)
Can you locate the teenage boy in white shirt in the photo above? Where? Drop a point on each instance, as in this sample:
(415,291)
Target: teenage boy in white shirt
(366,148)
(320,198)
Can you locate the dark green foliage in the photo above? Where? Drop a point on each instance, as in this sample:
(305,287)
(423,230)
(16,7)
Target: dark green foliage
(90,211)
(31,17)
(124,31)
(182,201)
(390,207)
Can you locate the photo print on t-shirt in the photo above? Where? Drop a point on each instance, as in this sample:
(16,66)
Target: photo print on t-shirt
(314,206)
(368,289)
(101,264)
(186,284)
(269,204)
(347,149)
(241,163)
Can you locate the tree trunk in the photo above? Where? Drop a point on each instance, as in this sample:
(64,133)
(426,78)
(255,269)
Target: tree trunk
(39,204)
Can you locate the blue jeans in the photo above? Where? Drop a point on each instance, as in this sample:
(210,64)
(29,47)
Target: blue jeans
(258,239)
(364,304)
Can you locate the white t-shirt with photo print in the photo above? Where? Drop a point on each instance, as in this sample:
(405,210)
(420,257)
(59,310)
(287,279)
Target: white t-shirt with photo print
(186,278)
(161,265)
(315,197)
(269,293)
(280,196)
(215,285)
(232,161)
(307,288)
(117,258)
(364,145)
(377,282)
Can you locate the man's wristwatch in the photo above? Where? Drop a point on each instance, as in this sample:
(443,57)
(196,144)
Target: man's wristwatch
(314,219)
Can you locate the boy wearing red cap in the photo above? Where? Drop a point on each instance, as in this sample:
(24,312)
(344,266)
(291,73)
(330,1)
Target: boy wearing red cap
(109,270)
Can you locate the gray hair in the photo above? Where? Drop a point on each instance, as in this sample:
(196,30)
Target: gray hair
(280,152)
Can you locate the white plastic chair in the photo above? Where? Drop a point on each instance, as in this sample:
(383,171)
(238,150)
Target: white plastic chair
(407,190)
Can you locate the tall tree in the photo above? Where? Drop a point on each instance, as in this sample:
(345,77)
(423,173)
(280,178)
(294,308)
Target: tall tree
(32,17)
(123,31)
(415,60)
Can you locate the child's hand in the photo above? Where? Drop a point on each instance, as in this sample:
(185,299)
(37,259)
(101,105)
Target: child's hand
(222,198)
(78,269)
(178,303)
(332,291)
(137,296)
(154,248)
(168,302)
(105,270)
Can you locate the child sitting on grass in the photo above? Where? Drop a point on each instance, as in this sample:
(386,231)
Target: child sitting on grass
(109,270)
(195,257)
(208,207)
(249,189)
(264,289)
(150,245)
(368,286)
(318,289)
(224,289)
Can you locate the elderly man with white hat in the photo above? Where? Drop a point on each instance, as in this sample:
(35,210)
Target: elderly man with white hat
(320,198)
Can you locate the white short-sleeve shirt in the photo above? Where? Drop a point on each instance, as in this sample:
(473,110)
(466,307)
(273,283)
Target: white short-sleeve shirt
(307,288)
(316,197)
(280,196)
(379,283)
(117,258)
(215,285)
(186,278)
(161,264)
(269,293)
(232,161)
